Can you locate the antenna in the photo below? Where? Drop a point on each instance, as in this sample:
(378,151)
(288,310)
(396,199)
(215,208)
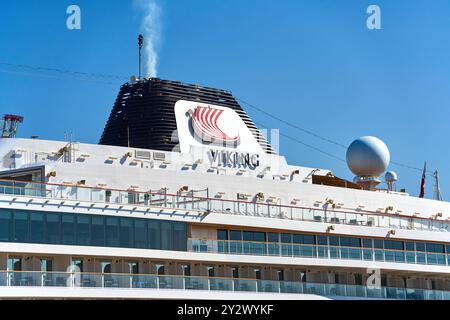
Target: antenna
(140,43)
(128,136)
(437,189)
(10,123)
(390,177)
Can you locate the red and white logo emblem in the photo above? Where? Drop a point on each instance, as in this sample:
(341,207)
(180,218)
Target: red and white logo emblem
(205,123)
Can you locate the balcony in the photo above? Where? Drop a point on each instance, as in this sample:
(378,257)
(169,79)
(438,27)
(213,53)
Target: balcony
(162,282)
(317,251)
(192,202)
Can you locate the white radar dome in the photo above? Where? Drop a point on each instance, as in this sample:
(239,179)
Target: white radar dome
(390,176)
(368,156)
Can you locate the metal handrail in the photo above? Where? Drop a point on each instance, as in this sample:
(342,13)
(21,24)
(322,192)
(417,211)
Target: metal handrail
(212,200)
(301,244)
(239,247)
(235,284)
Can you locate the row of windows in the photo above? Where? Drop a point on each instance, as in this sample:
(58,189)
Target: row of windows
(238,235)
(91,230)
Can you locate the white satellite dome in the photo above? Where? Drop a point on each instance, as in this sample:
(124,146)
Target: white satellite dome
(390,176)
(368,156)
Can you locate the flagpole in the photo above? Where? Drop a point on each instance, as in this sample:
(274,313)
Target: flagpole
(422,183)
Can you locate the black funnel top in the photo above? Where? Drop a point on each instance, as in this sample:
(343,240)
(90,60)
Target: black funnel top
(143,114)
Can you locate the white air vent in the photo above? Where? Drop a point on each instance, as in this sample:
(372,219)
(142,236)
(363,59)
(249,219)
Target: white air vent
(142,154)
(159,156)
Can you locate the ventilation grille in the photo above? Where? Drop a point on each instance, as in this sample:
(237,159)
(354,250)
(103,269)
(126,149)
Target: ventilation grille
(142,154)
(160,156)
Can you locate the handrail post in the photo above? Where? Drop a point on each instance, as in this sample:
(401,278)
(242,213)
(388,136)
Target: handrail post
(165,197)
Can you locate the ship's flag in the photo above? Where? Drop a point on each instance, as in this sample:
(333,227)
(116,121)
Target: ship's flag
(422,184)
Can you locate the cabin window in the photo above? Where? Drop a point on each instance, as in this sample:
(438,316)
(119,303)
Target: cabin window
(98,231)
(350,242)
(140,233)
(5,226)
(222,235)
(154,234)
(37,225)
(273,237)
(68,229)
(126,233)
(235,235)
(83,230)
(112,231)
(20,226)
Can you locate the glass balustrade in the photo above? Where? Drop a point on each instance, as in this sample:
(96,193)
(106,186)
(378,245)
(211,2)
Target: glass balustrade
(315,251)
(269,286)
(221,284)
(54,279)
(245,285)
(191,202)
(107,280)
(3,279)
(144,281)
(24,279)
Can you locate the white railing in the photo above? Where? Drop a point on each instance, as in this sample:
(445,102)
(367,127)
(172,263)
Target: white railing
(317,251)
(192,201)
(161,282)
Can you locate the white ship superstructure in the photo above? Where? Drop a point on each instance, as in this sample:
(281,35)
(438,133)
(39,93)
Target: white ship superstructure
(214,214)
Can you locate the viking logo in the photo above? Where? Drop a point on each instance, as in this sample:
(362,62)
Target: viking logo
(205,125)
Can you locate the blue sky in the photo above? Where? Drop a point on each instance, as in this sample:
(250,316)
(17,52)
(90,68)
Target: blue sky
(313,63)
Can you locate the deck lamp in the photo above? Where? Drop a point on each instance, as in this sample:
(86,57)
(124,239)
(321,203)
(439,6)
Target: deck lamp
(51,174)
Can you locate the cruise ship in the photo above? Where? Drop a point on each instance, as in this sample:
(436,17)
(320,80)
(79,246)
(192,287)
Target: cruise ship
(185,198)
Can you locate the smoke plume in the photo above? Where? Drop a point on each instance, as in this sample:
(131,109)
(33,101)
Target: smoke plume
(151,29)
